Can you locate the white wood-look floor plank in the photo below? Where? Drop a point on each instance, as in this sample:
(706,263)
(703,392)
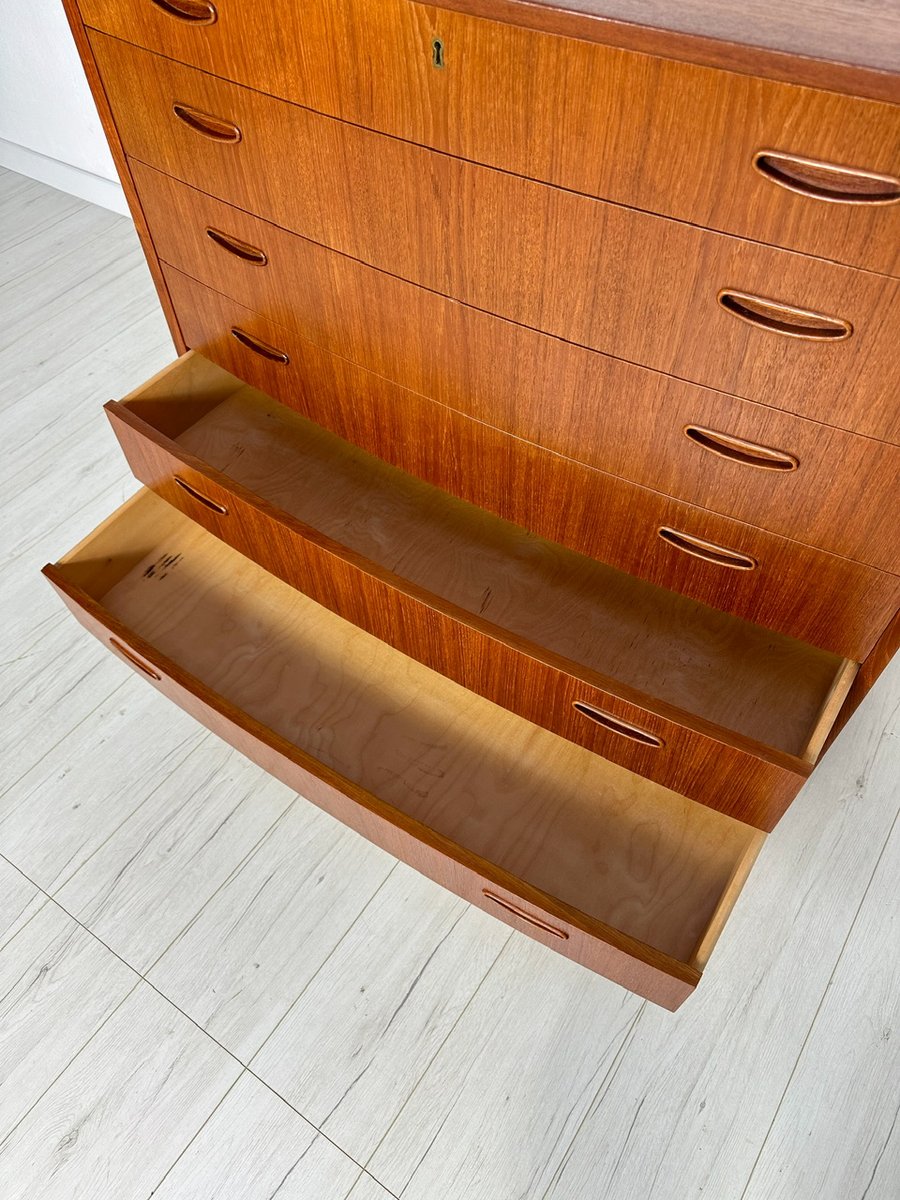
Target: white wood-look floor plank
(58,985)
(151,877)
(66,806)
(843,1100)
(366,1188)
(256,945)
(688,1113)
(350,1050)
(19,901)
(122,1111)
(498,1106)
(255,1147)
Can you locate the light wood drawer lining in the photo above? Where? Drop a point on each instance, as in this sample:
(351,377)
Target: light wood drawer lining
(638,870)
(821,599)
(628,283)
(664,136)
(597,409)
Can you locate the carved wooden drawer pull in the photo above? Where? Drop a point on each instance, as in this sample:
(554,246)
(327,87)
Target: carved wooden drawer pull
(708,551)
(196,12)
(242,250)
(216,128)
(263,349)
(826,181)
(130,656)
(750,454)
(525,916)
(783,318)
(617,725)
(196,495)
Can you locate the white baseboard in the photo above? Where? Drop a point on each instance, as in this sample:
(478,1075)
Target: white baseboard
(94,188)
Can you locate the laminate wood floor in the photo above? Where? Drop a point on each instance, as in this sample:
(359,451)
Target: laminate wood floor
(209,989)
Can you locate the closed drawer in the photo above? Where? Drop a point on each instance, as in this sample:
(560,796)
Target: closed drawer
(821,599)
(709,705)
(664,136)
(626,877)
(764,466)
(804,335)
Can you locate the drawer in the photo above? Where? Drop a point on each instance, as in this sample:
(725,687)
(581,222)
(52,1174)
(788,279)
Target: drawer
(630,879)
(808,336)
(664,136)
(818,598)
(759,464)
(711,706)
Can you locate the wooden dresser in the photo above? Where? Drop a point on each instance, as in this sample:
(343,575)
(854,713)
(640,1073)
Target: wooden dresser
(526,492)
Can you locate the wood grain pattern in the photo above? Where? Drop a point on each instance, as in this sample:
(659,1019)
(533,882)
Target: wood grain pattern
(625,282)
(599,410)
(110,1133)
(660,135)
(543,814)
(523,622)
(82,42)
(818,598)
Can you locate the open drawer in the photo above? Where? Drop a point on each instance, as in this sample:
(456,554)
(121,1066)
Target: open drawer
(712,706)
(612,870)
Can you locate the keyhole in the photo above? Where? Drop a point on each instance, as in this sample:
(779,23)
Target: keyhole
(437,53)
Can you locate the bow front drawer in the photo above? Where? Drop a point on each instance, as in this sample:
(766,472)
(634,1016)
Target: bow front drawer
(811,337)
(812,170)
(616,872)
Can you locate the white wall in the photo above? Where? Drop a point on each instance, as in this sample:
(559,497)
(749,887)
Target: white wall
(49,128)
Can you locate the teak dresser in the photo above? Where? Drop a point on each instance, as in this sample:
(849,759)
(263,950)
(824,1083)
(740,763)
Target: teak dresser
(526,492)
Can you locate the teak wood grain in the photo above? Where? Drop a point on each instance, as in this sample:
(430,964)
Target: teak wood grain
(527,624)
(625,282)
(660,135)
(600,410)
(612,870)
(86,54)
(818,598)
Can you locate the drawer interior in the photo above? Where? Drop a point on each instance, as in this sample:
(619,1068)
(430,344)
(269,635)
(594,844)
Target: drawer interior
(620,849)
(610,627)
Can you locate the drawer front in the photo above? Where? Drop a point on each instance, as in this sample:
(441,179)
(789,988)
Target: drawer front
(601,948)
(661,135)
(638,286)
(483,658)
(819,598)
(745,460)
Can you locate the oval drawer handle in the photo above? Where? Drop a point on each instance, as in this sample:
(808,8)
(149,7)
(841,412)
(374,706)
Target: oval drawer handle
(826,181)
(709,551)
(196,12)
(216,128)
(130,656)
(616,725)
(525,916)
(243,250)
(783,318)
(192,491)
(750,454)
(259,347)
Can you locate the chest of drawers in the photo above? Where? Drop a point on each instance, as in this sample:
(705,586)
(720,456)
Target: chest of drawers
(525,491)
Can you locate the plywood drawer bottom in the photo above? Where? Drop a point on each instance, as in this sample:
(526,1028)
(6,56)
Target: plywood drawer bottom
(630,879)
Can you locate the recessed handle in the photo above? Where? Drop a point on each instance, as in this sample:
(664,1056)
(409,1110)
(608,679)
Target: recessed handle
(826,181)
(523,915)
(749,454)
(784,318)
(130,657)
(708,551)
(263,349)
(196,495)
(216,128)
(242,250)
(617,725)
(195,12)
